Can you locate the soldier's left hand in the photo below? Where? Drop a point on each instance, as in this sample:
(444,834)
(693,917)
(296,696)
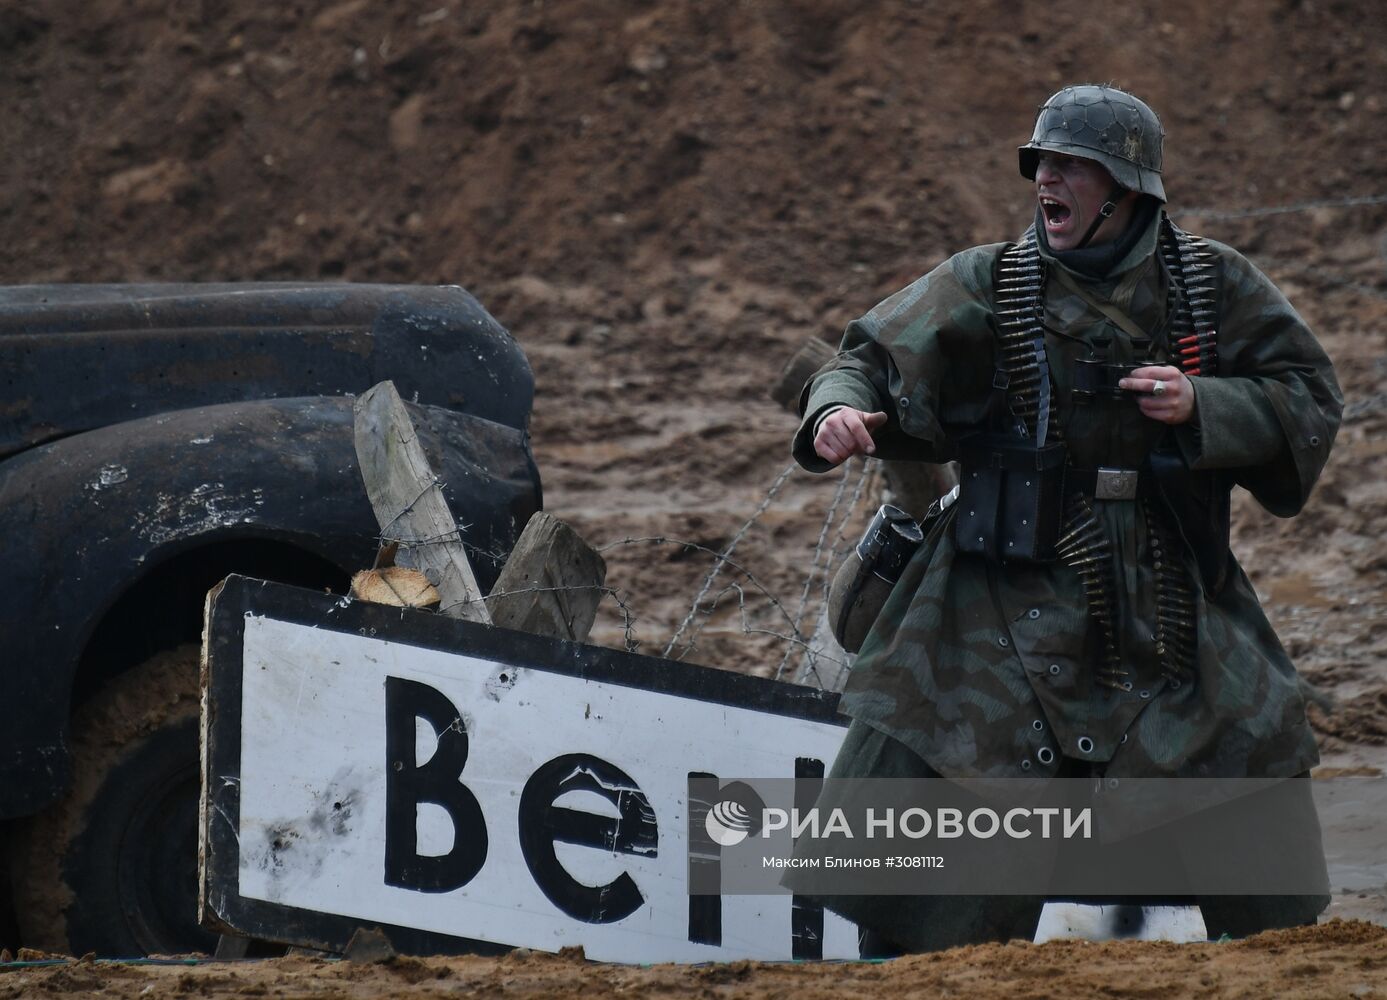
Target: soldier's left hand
(1172,404)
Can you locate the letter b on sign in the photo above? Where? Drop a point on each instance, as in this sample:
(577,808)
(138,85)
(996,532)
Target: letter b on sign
(408,783)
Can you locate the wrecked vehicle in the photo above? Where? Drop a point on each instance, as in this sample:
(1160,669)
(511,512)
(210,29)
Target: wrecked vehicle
(153,439)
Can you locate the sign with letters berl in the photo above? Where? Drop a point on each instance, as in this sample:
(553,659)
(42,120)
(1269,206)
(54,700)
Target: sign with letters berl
(463,786)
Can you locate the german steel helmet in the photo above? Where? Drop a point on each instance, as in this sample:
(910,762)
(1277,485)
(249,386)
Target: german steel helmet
(1103,124)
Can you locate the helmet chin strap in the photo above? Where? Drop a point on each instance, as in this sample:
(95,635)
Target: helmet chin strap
(1104,213)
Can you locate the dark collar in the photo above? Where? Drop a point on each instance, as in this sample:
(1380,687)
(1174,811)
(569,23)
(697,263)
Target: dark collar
(1101,261)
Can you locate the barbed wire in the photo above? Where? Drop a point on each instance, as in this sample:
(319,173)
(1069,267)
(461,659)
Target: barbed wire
(794,640)
(761,508)
(384,538)
(454,537)
(816,651)
(721,560)
(628,618)
(1268,210)
(761,588)
(443,537)
(819,547)
(433,483)
(493,555)
(824,571)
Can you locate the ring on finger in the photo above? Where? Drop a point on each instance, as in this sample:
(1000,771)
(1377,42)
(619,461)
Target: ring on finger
(1158,389)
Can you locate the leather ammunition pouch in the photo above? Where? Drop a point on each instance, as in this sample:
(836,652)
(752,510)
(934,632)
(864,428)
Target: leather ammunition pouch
(1011,498)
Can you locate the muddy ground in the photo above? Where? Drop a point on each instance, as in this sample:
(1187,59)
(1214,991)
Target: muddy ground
(1334,960)
(661,201)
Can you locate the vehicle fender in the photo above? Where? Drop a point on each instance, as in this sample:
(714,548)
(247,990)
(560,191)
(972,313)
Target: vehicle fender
(84,518)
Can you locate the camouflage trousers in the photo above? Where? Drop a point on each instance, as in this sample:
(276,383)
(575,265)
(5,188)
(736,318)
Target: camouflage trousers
(894,925)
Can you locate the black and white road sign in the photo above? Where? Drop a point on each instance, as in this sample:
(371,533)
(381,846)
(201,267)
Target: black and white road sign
(456,783)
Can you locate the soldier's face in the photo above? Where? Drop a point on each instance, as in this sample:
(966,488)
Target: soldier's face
(1070,191)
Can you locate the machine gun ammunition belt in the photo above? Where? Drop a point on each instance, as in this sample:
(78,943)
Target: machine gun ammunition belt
(1084,547)
(1020,291)
(1193,300)
(1176,636)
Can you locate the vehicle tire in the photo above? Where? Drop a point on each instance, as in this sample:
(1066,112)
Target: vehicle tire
(112,869)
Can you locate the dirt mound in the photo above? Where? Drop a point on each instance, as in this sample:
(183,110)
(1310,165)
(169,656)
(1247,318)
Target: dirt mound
(1335,959)
(662,200)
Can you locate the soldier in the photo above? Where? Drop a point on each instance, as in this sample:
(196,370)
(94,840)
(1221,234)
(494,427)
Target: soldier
(1104,381)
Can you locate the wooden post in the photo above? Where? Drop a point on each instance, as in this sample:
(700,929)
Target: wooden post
(409,504)
(551,584)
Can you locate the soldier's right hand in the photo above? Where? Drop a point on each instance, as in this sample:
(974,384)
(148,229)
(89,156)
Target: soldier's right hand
(847,432)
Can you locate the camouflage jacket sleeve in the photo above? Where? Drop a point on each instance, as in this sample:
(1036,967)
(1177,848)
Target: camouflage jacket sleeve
(1270,416)
(924,356)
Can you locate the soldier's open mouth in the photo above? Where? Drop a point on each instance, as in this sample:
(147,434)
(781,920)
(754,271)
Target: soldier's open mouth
(1056,214)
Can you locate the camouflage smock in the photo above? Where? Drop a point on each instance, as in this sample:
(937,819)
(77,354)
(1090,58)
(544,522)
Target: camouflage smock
(977,665)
